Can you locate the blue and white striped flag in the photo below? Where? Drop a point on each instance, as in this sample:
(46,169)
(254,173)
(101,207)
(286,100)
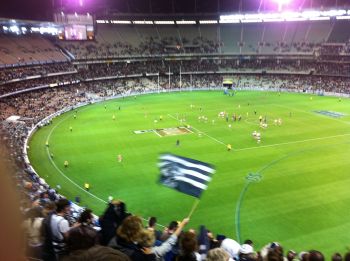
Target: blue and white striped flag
(186,175)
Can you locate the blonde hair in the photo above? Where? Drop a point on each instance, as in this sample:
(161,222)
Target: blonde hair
(217,254)
(147,238)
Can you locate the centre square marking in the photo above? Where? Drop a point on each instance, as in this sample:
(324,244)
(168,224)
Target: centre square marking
(173,131)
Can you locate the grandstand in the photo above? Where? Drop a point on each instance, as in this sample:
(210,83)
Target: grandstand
(43,76)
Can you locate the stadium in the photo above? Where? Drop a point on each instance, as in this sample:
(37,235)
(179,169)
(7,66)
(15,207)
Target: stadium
(176,130)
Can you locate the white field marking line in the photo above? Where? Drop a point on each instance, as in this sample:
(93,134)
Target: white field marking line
(156,132)
(188,130)
(312,113)
(89,193)
(293,142)
(54,164)
(218,141)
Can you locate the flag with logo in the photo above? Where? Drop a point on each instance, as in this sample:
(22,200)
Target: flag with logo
(186,175)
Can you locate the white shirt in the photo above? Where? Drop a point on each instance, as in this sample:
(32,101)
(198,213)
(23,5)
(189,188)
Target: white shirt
(231,246)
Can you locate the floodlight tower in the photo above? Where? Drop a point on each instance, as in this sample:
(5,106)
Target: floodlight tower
(281,3)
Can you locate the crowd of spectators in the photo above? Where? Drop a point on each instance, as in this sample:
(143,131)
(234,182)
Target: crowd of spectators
(123,236)
(8,74)
(304,74)
(149,46)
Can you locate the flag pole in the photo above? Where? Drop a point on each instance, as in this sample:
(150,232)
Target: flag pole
(195,204)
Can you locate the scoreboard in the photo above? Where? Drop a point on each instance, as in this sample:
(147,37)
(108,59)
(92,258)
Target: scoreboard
(75,27)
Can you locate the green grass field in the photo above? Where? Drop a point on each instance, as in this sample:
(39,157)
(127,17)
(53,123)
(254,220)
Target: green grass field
(301,200)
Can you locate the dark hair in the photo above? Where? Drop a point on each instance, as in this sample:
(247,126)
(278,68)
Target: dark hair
(347,256)
(172,225)
(85,216)
(61,204)
(81,237)
(152,221)
(248,242)
(315,255)
(337,257)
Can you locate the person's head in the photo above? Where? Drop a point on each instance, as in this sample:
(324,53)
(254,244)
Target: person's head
(130,229)
(33,213)
(62,206)
(86,217)
(49,207)
(147,238)
(152,222)
(217,254)
(337,257)
(315,255)
(273,255)
(291,255)
(81,237)
(188,243)
(248,242)
(347,256)
(172,226)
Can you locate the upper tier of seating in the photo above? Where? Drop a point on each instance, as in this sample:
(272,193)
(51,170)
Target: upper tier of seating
(24,50)
(258,38)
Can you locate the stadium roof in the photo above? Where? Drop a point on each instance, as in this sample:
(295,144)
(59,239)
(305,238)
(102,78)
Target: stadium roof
(43,9)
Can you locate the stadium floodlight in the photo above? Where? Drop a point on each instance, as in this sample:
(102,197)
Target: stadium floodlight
(310,14)
(104,22)
(142,22)
(14,29)
(320,18)
(295,19)
(208,21)
(231,17)
(345,17)
(274,20)
(229,21)
(185,22)
(333,12)
(251,21)
(348,12)
(164,22)
(252,16)
(119,22)
(271,16)
(35,29)
(290,14)
(5,28)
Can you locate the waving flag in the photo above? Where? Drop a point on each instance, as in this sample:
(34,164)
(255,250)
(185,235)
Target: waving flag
(186,175)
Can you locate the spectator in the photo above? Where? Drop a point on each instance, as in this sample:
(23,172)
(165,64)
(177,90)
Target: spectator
(188,248)
(127,238)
